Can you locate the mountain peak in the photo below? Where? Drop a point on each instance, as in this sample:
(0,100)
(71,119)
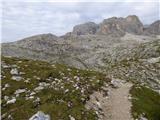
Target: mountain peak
(132,18)
(86,28)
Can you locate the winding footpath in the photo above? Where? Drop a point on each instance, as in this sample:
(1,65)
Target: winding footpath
(114,106)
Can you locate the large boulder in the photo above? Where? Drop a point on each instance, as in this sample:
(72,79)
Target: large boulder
(40,116)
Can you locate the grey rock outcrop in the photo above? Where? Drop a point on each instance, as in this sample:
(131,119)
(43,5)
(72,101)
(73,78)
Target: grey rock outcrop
(154,28)
(115,42)
(119,26)
(133,25)
(40,116)
(86,28)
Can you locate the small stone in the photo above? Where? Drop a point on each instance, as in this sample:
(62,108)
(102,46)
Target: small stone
(17,78)
(141,117)
(66,91)
(6,98)
(31,97)
(71,117)
(32,93)
(11,101)
(4,115)
(21,73)
(115,83)
(10,117)
(6,85)
(39,88)
(27,81)
(20,91)
(14,71)
(70,104)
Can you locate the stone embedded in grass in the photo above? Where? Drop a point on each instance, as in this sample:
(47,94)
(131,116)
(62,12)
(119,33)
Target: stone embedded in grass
(14,71)
(5,66)
(21,73)
(14,66)
(16,78)
(10,117)
(27,81)
(69,69)
(115,83)
(6,85)
(19,91)
(53,66)
(99,105)
(6,98)
(32,93)
(3,115)
(66,91)
(142,117)
(37,99)
(70,104)
(11,101)
(39,88)
(31,97)
(40,116)
(71,117)
(44,84)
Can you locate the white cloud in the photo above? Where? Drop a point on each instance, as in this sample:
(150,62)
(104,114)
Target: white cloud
(21,19)
(78,1)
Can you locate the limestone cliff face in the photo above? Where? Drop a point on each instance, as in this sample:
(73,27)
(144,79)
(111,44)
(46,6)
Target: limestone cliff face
(119,26)
(116,27)
(115,42)
(154,28)
(86,28)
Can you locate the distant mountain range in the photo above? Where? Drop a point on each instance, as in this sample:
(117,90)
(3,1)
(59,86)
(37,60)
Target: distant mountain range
(117,27)
(116,46)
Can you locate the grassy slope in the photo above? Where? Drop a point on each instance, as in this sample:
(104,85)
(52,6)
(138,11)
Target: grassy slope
(50,104)
(145,101)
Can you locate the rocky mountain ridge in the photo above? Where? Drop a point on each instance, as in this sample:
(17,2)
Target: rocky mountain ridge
(117,27)
(119,61)
(100,47)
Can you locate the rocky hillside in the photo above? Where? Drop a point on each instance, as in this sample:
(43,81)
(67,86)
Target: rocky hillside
(59,91)
(107,46)
(40,90)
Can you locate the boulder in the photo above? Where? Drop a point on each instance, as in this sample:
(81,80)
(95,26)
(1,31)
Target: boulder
(40,116)
(116,83)
(141,117)
(14,71)
(11,101)
(17,78)
(20,91)
(71,117)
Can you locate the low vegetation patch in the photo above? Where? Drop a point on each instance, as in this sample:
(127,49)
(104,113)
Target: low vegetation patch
(60,91)
(145,101)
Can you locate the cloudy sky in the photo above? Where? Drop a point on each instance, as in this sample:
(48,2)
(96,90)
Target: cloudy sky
(23,18)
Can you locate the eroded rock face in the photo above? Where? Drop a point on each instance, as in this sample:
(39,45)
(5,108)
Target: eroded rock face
(133,25)
(112,26)
(119,26)
(86,28)
(154,28)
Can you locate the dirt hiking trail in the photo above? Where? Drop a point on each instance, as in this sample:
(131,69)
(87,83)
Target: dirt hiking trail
(113,102)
